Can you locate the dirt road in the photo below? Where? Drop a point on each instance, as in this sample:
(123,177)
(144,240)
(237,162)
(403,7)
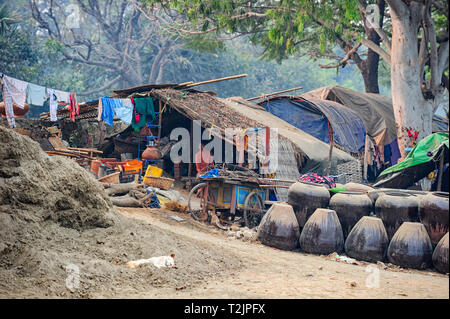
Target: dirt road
(272,273)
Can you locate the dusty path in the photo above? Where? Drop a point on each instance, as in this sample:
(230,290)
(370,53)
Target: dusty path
(271,273)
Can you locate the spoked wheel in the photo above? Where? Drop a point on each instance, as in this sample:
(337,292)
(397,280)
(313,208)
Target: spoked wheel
(253,206)
(207,200)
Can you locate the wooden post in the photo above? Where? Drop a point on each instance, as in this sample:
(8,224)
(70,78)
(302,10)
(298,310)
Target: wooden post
(191,158)
(366,157)
(159,122)
(441,168)
(331,141)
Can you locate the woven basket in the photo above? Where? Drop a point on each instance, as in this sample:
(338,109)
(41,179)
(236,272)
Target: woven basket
(111,178)
(159,182)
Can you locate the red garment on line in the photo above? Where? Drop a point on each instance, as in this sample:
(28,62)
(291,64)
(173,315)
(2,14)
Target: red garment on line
(74,108)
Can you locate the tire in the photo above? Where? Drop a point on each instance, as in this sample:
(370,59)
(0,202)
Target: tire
(252,219)
(195,213)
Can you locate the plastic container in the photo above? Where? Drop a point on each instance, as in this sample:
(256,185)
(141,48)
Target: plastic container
(132,165)
(153,171)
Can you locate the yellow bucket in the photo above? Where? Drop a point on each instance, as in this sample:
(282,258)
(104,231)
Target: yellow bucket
(153,171)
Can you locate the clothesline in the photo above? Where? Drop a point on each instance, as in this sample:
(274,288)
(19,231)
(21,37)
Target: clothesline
(18,92)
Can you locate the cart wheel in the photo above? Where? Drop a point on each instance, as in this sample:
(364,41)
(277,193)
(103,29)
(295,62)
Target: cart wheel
(252,218)
(199,213)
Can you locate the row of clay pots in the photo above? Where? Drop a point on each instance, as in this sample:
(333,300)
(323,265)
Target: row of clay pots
(322,234)
(394,207)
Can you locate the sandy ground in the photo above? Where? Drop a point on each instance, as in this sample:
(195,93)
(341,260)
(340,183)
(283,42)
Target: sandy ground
(270,273)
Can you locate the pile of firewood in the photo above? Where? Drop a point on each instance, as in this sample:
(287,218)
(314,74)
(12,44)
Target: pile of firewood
(128,194)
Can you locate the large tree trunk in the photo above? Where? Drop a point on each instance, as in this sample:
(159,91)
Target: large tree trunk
(412,112)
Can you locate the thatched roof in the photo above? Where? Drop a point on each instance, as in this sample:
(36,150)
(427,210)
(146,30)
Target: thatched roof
(238,113)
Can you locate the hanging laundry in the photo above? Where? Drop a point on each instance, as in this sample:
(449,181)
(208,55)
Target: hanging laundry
(125,111)
(144,107)
(74,108)
(17,89)
(108,106)
(9,110)
(63,96)
(53,102)
(99,109)
(36,94)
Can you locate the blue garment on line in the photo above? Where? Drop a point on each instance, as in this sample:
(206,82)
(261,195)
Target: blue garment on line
(108,110)
(125,111)
(212,173)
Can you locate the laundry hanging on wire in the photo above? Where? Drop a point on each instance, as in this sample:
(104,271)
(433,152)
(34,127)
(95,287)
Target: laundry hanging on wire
(134,111)
(18,93)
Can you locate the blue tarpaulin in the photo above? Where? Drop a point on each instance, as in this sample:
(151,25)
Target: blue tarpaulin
(312,116)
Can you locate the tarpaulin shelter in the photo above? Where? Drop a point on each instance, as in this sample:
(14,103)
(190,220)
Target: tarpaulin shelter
(424,158)
(375,110)
(317,117)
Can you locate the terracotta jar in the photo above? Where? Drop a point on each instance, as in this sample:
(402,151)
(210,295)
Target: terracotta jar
(358,186)
(322,233)
(368,240)
(433,214)
(395,208)
(279,227)
(410,247)
(151,153)
(305,198)
(440,255)
(350,207)
(18,111)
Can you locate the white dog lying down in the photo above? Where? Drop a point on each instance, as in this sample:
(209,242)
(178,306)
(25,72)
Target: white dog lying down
(162,261)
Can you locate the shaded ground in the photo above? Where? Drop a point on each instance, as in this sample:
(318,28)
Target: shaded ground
(270,273)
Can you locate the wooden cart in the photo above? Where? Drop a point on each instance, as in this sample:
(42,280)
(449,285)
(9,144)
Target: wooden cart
(227,198)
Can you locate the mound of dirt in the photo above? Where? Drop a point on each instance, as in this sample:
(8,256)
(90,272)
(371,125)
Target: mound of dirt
(54,216)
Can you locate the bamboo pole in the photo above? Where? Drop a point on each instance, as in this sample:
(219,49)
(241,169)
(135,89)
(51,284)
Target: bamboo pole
(331,141)
(441,168)
(274,93)
(366,157)
(217,80)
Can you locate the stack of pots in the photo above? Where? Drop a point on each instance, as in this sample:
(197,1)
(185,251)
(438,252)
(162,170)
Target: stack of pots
(279,227)
(305,198)
(395,208)
(350,207)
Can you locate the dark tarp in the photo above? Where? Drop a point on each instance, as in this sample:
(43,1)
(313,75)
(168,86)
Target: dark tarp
(312,116)
(375,110)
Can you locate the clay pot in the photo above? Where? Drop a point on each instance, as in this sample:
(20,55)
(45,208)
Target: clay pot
(368,240)
(305,198)
(279,227)
(350,207)
(18,112)
(322,233)
(433,214)
(410,247)
(440,255)
(395,208)
(151,153)
(358,186)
